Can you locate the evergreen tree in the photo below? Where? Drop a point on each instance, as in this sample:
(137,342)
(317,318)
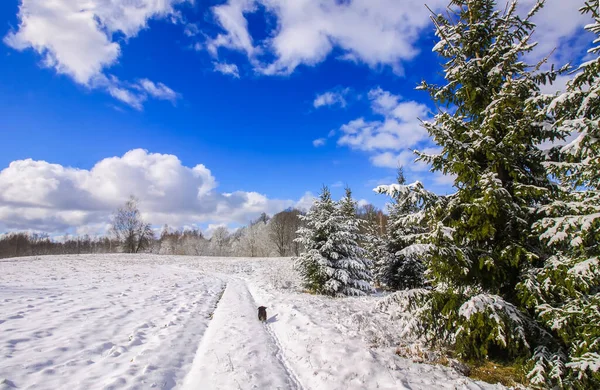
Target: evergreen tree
(565,290)
(376,247)
(383,249)
(482,240)
(315,264)
(354,267)
(401,265)
(332,263)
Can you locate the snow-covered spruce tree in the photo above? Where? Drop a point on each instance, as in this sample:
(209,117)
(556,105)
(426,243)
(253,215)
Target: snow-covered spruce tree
(402,266)
(332,263)
(315,264)
(482,240)
(354,266)
(565,290)
(375,245)
(382,249)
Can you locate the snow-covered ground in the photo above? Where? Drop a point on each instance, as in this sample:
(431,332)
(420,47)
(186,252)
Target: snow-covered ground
(139,322)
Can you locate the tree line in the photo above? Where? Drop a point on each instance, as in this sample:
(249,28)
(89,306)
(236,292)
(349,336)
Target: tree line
(265,236)
(39,244)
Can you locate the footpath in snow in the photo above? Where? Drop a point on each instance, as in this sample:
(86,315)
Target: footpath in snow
(323,343)
(237,351)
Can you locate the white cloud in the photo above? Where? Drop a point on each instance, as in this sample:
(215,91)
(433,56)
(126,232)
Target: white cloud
(393,160)
(191,30)
(391,140)
(399,129)
(443,180)
(50,197)
(230,17)
(362,202)
(331,98)
(158,90)
(210,229)
(381,181)
(230,69)
(405,158)
(319,142)
(81,53)
(558,85)
(136,94)
(556,22)
(98,229)
(376,33)
(84,38)
(550,144)
(306,202)
(126,96)
(337,184)
(77,37)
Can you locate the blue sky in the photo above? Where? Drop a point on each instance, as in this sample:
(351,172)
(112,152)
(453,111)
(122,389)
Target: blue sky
(267,95)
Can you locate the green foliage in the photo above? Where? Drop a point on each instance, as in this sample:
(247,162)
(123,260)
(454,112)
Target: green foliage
(489,143)
(513,258)
(488,325)
(401,264)
(481,238)
(564,291)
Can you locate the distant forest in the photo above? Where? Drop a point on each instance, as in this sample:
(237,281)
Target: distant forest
(264,237)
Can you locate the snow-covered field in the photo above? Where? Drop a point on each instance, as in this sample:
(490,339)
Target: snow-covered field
(139,322)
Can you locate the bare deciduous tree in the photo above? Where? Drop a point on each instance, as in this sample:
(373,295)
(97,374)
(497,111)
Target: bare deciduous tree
(253,241)
(220,242)
(130,229)
(278,232)
(282,232)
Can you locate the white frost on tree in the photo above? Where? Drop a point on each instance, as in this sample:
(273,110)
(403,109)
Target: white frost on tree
(564,291)
(401,264)
(254,241)
(129,228)
(481,239)
(354,266)
(220,242)
(333,263)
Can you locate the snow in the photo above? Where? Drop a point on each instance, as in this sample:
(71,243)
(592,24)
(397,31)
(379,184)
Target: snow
(497,310)
(100,322)
(585,268)
(416,250)
(484,302)
(589,361)
(143,321)
(236,339)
